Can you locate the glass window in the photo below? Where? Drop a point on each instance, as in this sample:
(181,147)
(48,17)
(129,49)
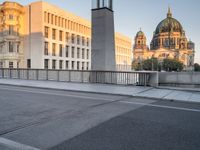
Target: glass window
(73,38)
(53,34)
(83,65)
(11,30)
(46,64)
(67,51)
(60,50)
(1,64)
(11,47)
(54,64)
(78,52)
(54,49)
(83,53)
(11,65)
(88,42)
(67,65)
(88,53)
(46,32)
(28,63)
(83,41)
(78,65)
(11,17)
(73,49)
(78,39)
(60,64)
(60,35)
(73,65)
(67,37)
(46,48)
(87,65)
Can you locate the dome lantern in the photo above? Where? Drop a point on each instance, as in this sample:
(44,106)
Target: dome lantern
(169,14)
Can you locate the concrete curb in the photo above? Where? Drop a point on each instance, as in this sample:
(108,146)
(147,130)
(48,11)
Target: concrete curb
(132,95)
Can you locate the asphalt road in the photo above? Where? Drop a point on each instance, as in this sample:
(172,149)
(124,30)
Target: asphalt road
(35,119)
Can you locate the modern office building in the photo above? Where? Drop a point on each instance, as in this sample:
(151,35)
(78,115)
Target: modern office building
(43,36)
(123,52)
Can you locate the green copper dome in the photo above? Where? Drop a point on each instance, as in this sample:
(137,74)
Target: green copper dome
(140,33)
(169,25)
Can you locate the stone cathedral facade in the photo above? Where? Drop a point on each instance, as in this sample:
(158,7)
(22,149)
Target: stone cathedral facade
(169,41)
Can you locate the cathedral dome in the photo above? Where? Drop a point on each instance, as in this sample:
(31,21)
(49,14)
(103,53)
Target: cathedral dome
(169,25)
(140,33)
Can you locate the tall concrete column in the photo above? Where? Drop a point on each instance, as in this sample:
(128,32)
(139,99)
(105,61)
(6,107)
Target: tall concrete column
(103,41)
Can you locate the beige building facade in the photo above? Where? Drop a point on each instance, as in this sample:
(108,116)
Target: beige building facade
(44,36)
(123,52)
(169,41)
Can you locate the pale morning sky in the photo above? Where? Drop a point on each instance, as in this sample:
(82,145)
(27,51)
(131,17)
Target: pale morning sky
(130,15)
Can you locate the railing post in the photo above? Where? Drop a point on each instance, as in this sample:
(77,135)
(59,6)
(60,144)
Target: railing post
(2,72)
(58,75)
(18,73)
(82,76)
(69,75)
(10,74)
(27,74)
(37,74)
(47,76)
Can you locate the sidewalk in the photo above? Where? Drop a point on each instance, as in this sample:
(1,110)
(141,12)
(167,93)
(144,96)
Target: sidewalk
(136,91)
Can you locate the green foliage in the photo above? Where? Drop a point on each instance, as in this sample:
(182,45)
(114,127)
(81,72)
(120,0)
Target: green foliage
(154,65)
(172,65)
(196,67)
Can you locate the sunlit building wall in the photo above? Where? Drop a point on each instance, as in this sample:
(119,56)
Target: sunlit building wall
(44,36)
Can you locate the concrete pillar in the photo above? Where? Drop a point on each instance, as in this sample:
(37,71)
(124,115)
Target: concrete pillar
(103,43)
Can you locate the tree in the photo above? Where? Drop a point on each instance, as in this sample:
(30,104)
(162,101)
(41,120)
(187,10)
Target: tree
(151,64)
(196,67)
(172,65)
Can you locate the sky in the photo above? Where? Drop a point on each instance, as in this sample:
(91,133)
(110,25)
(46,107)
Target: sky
(131,15)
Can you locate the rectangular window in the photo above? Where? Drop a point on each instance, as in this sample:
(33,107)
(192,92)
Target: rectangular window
(56,18)
(28,63)
(88,42)
(11,65)
(18,46)
(67,65)
(78,52)
(11,17)
(83,65)
(83,41)
(67,51)
(67,37)
(1,64)
(87,65)
(60,64)
(83,53)
(46,32)
(46,64)
(54,49)
(78,65)
(52,18)
(78,39)
(11,30)
(54,34)
(88,53)
(60,50)
(48,18)
(11,47)
(73,39)
(46,48)
(60,35)
(53,64)
(73,49)
(73,65)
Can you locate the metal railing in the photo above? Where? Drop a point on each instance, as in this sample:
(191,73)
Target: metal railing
(80,76)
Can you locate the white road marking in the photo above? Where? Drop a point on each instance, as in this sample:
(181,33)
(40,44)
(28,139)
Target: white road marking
(162,106)
(14,145)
